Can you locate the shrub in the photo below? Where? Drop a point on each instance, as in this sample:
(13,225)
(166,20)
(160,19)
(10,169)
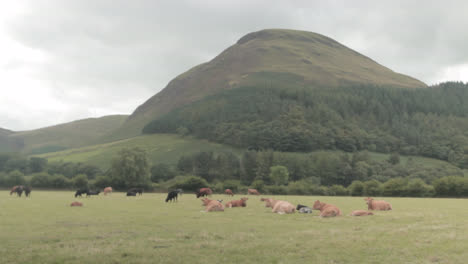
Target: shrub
(395,187)
(356,188)
(102,181)
(372,188)
(274,189)
(80,181)
(59,181)
(41,179)
(337,190)
(190,183)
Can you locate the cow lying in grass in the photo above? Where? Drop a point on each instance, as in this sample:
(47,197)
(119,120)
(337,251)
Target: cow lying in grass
(213,206)
(280,207)
(303,209)
(377,205)
(237,203)
(326,210)
(360,213)
(76,204)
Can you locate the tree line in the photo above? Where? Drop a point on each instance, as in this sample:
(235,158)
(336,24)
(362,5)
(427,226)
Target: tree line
(430,122)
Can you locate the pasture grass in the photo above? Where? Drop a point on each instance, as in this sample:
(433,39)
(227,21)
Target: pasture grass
(119,229)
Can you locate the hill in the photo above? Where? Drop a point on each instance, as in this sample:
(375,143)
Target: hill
(160,149)
(263,58)
(69,135)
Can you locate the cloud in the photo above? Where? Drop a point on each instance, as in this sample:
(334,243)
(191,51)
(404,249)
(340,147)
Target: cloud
(86,58)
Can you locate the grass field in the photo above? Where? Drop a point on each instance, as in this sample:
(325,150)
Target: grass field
(117,229)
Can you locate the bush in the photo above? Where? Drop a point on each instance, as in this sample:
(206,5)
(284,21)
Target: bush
(41,180)
(102,181)
(451,186)
(234,185)
(80,181)
(395,187)
(259,185)
(372,188)
(274,189)
(297,188)
(15,177)
(190,183)
(417,188)
(59,181)
(356,188)
(337,190)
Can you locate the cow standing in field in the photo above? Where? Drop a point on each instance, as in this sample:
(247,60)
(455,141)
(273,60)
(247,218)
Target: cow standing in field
(80,192)
(360,213)
(136,190)
(90,193)
(172,195)
(204,192)
(228,192)
(27,191)
(107,190)
(377,205)
(237,203)
(131,193)
(14,188)
(253,191)
(326,210)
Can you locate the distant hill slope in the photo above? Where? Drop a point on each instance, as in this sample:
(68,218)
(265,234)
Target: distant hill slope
(161,148)
(264,57)
(74,134)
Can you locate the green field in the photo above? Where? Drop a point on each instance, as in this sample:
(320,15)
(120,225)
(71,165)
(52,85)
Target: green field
(117,229)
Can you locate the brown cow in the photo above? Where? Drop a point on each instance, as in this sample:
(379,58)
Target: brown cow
(253,191)
(204,192)
(205,201)
(377,205)
(283,207)
(76,204)
(214,206)
(269,202)
(13,189)
(237,203)
(107,190)
(326,210)
(229,192)
(361,213)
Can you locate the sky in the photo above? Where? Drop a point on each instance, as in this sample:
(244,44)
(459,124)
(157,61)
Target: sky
(64,60)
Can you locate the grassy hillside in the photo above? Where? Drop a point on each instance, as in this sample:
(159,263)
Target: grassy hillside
(167,148)
(161,148)
(63,136)
(303,58)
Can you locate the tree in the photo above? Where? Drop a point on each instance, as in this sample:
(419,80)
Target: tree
(279,175)
(130,168)
(37,164)
(162,172)
(394,158)
(80,181)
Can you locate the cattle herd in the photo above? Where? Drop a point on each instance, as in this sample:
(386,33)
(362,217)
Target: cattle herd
(278,206)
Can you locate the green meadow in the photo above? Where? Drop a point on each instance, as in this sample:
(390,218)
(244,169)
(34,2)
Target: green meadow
(120,229)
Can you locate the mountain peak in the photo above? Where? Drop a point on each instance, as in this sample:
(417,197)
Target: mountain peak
(301,57)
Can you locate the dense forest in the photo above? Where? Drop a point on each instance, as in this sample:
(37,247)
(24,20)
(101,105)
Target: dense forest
(430,122)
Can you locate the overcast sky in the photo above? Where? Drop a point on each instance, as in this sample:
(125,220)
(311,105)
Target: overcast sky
(63,60)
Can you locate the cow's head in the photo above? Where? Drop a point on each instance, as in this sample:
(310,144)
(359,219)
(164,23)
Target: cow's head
(317,205)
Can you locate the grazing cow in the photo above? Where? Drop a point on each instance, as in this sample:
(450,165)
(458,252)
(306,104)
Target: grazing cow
(27,191)
(172,195)
(80,192)
(204,192)
(326,210)
(377,205)
(76,204)
(136,190)
(360,213)
(92,193)
(237,203)
(131,193)
(253,191)
(13,189)
(303,209)
(107,190)
(213,206)
(229,192)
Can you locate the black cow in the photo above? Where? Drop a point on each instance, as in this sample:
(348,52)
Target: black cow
(172,195)
(92,193)
(27,191)
(80,192)
(18,190)
(303,209)
(136,190)
(131,193)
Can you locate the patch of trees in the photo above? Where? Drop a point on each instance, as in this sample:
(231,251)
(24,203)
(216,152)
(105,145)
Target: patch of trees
(430,122)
